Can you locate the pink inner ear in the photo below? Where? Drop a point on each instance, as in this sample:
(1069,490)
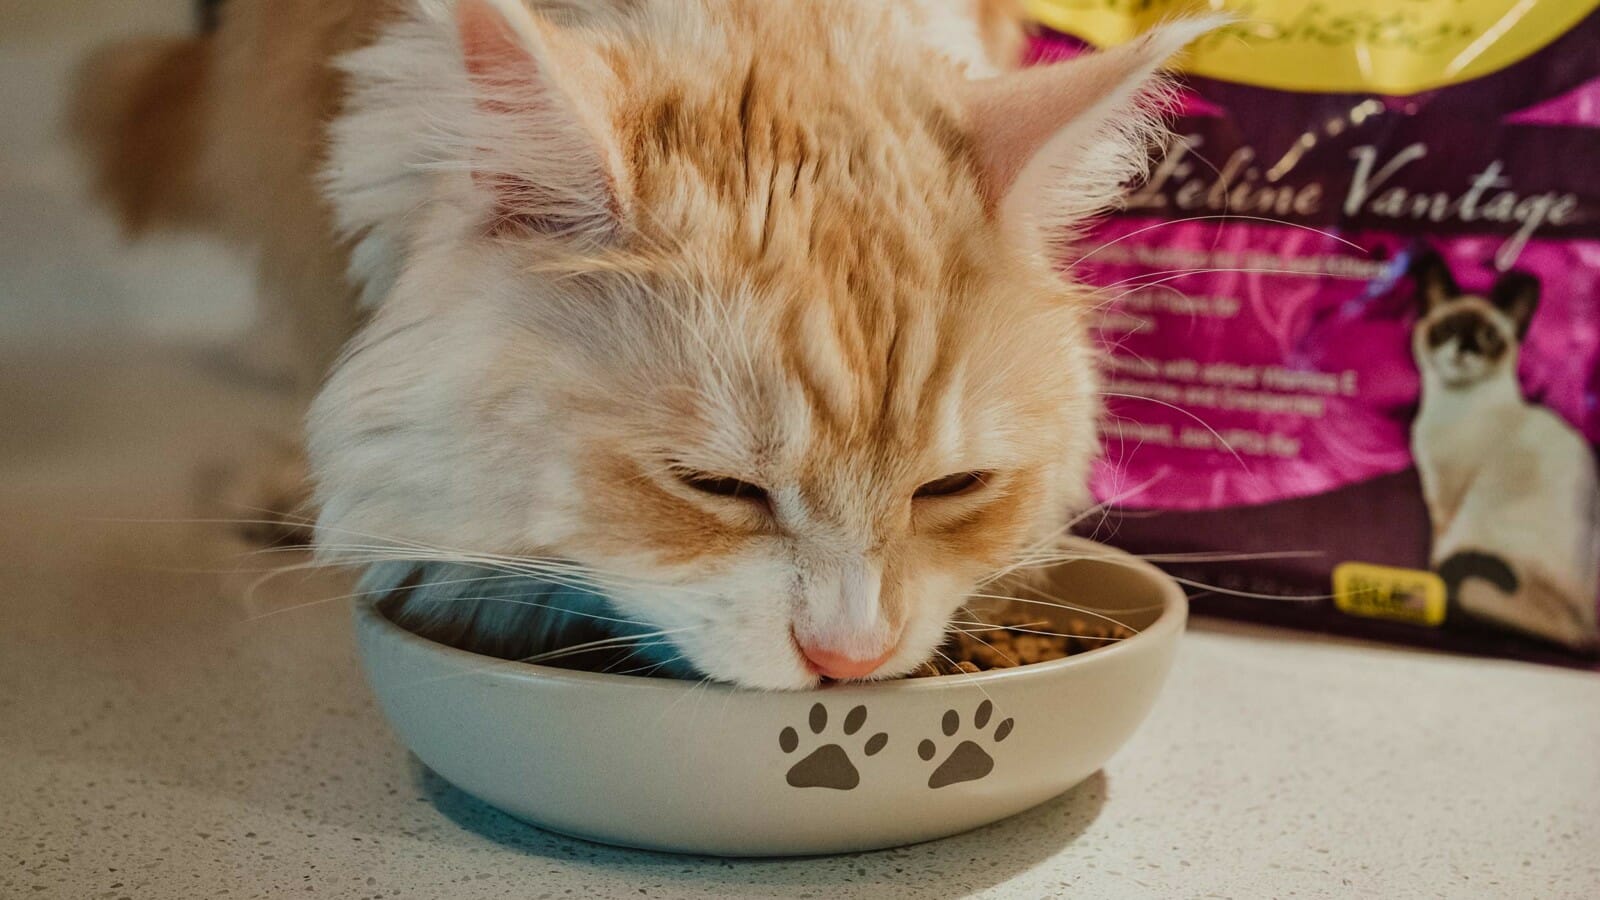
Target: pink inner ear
(1014,116)
(498,64)
(494,54)
(508,72)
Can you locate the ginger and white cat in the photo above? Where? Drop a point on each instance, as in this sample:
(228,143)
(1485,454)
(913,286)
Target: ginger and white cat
(1511,488)
(739,311)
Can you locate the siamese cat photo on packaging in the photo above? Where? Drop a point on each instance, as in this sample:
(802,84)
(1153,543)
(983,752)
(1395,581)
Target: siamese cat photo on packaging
(741,317)
(1511,487)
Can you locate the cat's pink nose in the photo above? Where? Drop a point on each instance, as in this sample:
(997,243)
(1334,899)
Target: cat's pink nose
(840,667)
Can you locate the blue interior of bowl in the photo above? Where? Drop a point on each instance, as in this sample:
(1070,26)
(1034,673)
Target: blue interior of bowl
(511,615)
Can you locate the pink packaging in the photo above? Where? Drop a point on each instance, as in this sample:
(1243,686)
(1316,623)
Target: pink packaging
(1354,337)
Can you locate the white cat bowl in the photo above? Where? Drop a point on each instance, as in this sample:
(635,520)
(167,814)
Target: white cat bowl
(668,765)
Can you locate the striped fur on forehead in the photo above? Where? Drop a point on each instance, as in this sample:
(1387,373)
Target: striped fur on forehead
(809,137)
(836,188)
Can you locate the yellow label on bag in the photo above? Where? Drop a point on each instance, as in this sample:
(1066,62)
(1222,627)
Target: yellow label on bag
(1383,592)
(1344,46)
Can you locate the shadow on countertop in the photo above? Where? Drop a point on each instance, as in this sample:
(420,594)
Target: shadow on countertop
(953,866)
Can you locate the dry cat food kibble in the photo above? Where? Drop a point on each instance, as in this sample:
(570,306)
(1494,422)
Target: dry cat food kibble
(1018,638)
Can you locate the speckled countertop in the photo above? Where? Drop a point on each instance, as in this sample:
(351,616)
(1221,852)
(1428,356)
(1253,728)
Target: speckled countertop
(164,734)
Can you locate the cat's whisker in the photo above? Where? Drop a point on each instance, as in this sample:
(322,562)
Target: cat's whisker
(1053,602)
(1250,595)
(560,572)
(1023,629)
(554,654)
(701,686)
(394,549)
(518,601)
(650,669)
(381,541)
(249,593)
(1191,583)
(977,613)
(1195,557)
(1055,536)
(1202,423)
(584,573)
(357,595)
(641,647)
(1105,303)
(1103,508)
(389,548)
(980,640)
(604,643)
(565,578)
(1163,276)
(490,665)
(514,601)
(1221,217)
(968,675)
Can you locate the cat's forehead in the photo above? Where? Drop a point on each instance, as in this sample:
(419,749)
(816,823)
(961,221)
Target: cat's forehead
(906,394)
(844,162)
(812,164)
(1466,307)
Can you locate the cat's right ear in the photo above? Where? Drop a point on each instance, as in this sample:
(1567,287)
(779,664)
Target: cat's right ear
(545,162)
(1435,285)
(1057,144)
(1516,294)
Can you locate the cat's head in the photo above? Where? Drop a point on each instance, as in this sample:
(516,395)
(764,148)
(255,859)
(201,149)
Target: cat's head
(1465,338)
(744,307)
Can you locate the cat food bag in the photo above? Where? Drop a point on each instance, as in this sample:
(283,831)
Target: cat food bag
(1352,320)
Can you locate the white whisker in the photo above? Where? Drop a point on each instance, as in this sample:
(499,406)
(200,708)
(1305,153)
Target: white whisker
(1265,219)
(1202,422)
(604,643)
(1023,629)
(1051,601)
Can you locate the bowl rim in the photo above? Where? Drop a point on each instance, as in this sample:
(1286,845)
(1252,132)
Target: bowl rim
(1173,616)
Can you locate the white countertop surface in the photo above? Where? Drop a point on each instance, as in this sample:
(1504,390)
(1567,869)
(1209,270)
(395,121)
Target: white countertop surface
(161,738)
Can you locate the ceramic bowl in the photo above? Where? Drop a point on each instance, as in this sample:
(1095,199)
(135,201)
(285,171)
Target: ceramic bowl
(670,765)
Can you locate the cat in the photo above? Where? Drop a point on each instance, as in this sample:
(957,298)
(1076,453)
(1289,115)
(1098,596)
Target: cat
(1511,488)
(742,314)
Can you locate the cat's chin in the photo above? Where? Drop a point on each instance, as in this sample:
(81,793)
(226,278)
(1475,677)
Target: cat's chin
(1458,377)
(781,678)
(1457,381)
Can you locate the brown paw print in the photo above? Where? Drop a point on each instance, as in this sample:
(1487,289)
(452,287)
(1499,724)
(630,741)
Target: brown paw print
(829,766)
(968,761)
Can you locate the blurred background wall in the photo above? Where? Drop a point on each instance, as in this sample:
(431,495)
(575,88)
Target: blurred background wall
(122,394)
(66,275)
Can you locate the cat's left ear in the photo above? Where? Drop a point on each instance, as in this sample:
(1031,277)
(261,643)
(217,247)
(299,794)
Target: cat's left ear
(536,147)
(1435,285)
(1057,144)
(1516,294)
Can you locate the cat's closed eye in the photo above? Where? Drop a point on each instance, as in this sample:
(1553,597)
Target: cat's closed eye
(952,485)
(721,486)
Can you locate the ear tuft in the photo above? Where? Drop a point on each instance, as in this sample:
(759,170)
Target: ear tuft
(1058,144)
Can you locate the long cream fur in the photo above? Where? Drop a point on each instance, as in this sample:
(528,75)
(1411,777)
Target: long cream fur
(609,251)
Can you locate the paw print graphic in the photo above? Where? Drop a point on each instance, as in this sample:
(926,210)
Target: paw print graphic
(968,761)
(829,766)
